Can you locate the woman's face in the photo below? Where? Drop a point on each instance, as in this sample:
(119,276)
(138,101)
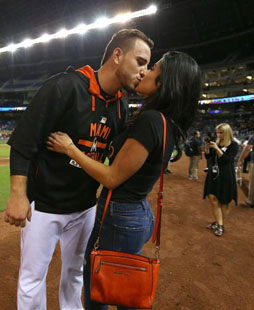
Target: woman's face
(220,134)
(148,84)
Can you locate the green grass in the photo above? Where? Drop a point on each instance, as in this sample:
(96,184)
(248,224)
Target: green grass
(4,186)
(4,176)
(4,150)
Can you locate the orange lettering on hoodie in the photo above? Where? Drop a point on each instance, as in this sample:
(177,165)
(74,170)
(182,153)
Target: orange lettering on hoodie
(93,129)
(99,130)
(105,132)
(96,156)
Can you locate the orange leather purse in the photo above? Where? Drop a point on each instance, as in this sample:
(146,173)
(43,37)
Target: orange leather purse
(123,279)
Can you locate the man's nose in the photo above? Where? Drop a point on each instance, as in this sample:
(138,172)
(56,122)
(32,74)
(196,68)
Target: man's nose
(143,72)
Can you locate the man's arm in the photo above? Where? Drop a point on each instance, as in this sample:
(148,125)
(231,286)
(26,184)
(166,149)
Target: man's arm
(26,142)
(200,151)
(244,154)
(18,208)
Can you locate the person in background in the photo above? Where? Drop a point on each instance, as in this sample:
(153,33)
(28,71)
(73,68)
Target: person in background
(248,150)
(247,158)
(196,144)
(171,87)
(88,105)
(220,184)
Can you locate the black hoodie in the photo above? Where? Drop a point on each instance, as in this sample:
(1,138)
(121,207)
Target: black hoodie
(70,102)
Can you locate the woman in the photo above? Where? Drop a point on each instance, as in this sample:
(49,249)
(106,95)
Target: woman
(220,183)
(171,87)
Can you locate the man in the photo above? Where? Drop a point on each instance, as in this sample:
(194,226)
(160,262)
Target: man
(196,144)
(88,106)
(245,152)
(247,158)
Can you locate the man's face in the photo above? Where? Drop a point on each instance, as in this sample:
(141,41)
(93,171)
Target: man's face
(133,65)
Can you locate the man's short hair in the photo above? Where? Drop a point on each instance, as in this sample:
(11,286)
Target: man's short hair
(124,39)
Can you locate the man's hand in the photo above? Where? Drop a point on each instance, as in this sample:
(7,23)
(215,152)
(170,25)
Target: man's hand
(245,152)
(18,209)
(239,164)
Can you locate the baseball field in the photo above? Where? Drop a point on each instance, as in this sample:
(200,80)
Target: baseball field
(4,174)
(199,271)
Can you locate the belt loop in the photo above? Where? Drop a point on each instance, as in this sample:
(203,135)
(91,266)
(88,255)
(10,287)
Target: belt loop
(143,205)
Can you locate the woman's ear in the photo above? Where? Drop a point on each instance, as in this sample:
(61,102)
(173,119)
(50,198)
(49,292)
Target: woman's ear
(117,55)
(158,82)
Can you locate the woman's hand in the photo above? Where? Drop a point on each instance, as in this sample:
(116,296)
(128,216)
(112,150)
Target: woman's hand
(212,145)
(217,149)
(59,142)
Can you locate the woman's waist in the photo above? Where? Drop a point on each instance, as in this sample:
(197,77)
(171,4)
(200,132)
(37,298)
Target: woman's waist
(124,205)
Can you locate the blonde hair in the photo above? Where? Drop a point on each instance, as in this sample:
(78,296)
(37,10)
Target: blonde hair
(228,134)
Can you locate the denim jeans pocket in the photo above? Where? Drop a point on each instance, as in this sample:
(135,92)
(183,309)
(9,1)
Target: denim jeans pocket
(127,226)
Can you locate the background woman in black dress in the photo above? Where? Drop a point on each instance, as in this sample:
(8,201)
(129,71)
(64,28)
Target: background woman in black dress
(220,183)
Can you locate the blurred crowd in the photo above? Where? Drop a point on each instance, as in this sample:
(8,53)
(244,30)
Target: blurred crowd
(6,128)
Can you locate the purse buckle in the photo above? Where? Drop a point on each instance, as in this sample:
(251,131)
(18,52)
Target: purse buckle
(157,252)
(96,244)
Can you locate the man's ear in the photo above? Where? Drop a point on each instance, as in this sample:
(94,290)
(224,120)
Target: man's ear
(117,55)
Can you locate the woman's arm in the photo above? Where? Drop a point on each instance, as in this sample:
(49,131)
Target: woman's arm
(216,148)
(230,153)
(127,162)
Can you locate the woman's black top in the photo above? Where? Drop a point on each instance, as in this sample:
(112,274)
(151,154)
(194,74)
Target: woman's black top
(147,130)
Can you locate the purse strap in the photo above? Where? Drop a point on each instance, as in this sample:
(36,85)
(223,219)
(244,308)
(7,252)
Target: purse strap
(157,228)
(96,245)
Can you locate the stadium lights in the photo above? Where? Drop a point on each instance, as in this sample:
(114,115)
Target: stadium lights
(45,38)
(102,22)
(249,77)
(122,18)
(80,29)
(27,43)
(12,48)
(63,33)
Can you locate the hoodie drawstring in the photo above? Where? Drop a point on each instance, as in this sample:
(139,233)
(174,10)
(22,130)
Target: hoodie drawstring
(107,102)
(119,108)
(93,103)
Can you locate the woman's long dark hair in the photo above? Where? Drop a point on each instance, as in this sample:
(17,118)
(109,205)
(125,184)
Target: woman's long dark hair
(177,97)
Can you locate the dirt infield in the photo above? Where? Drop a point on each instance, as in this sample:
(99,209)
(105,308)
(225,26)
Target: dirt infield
(4,161)
(198,270)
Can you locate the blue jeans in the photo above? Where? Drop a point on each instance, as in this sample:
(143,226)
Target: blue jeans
(126,228)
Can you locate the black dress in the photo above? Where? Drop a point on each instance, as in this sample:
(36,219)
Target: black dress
(222,183)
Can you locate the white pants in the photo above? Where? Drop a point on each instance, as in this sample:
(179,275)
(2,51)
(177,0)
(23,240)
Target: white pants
(38,240)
